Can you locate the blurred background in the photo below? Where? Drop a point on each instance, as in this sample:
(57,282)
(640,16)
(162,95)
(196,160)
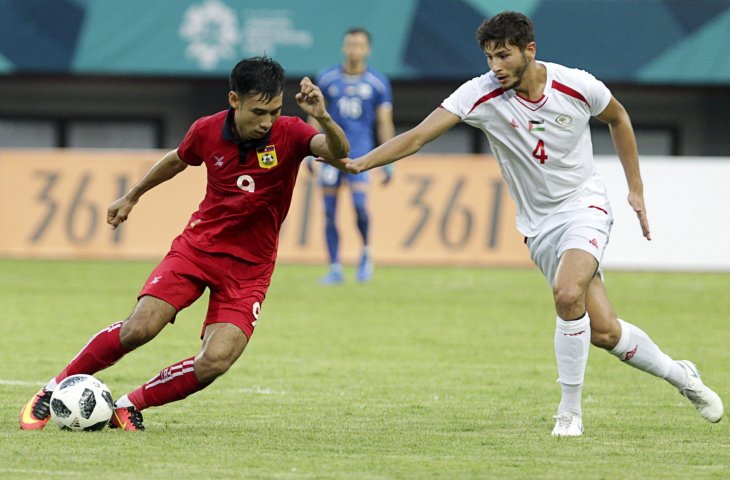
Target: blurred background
(133,75)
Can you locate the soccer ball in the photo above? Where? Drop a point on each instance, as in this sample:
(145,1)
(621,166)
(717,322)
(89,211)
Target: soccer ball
(81,402)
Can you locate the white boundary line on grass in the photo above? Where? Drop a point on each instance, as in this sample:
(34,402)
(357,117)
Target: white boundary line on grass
(20,383)
(256,390)
(28,471)
(260,391)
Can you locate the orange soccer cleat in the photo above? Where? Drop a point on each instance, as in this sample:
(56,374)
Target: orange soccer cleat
(128,419)
(36,413)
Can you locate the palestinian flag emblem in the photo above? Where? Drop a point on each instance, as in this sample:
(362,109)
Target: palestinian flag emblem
(537,126)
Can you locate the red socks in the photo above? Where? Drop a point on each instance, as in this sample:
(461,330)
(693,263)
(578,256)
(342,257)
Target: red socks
(103,350)
(171,384)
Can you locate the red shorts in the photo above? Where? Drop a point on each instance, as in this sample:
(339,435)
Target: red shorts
(237,288)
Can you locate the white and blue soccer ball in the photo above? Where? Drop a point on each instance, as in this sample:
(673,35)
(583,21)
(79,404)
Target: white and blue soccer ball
(81,402)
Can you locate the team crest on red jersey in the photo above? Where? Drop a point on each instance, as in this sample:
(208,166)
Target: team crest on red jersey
(267,156)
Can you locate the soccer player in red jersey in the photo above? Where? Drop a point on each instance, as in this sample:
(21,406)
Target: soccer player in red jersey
(252,154)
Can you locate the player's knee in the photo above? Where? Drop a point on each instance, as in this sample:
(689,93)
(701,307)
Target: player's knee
(209,366)
(136,331)
(147,320)
(567,297)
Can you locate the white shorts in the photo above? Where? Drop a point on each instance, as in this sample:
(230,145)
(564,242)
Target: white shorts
(586,229)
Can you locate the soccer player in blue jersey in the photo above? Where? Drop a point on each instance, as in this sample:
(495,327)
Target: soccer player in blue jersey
(359,99)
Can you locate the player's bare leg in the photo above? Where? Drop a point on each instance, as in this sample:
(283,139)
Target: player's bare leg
(223,344)
(147,320)
(575,270)
(634,347)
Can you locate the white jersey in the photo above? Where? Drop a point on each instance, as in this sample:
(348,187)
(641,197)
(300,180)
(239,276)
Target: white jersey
(544,147)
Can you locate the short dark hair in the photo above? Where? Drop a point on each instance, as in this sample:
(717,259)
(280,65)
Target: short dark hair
(505,28)
(356,30)
(260,76)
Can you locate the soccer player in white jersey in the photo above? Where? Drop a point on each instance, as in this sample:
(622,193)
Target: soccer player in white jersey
(535,115)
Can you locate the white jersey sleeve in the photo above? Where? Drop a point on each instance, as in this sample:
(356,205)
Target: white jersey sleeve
(597,95)
(461,101)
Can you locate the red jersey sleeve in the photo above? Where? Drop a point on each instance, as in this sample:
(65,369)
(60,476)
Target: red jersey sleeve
(302,133)
(189,149)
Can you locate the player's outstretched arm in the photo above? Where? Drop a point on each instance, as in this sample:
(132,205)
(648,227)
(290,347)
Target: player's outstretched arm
(624,141)
(166,168)
(405,144)
(333,144)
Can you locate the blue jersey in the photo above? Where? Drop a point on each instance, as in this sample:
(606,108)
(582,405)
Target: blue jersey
(352,101)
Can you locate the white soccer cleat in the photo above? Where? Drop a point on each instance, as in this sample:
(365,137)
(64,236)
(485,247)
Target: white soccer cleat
(707,402)
(567,425)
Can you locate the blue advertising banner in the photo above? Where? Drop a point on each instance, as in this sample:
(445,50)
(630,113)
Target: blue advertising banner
(649,41)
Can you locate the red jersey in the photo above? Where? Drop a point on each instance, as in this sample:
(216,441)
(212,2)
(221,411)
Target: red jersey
(250,184)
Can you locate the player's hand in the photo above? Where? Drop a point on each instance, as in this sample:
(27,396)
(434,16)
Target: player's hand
(118,211)
(636,200)
(310,99)
(353,166)
(343,164)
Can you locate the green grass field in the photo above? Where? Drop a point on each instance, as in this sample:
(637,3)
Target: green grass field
(421,374)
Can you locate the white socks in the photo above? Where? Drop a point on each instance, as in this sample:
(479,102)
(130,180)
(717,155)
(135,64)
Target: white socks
(123,402)
(638,350)
(51,385)
(572,342)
